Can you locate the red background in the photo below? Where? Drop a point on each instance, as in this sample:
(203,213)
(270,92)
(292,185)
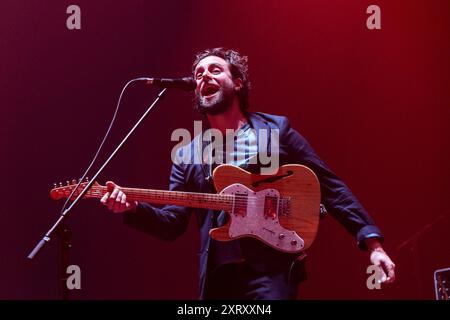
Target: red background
(373,103)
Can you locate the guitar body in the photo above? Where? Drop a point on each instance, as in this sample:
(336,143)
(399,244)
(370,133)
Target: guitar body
(282,210)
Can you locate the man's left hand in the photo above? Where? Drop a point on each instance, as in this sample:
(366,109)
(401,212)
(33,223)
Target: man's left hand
(380,258)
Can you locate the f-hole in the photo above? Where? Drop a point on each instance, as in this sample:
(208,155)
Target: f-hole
(272,179)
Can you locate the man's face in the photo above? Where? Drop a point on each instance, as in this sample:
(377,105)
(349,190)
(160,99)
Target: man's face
(215,87)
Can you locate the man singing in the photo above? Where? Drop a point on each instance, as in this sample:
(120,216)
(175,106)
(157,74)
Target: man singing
(245,268)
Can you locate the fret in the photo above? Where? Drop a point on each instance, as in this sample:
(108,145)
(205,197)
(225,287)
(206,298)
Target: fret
(189,199)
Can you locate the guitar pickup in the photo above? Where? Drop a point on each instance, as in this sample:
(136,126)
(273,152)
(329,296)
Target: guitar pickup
(270,207)
(240,204)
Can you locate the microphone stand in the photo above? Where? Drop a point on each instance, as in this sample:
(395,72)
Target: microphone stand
(64,234)
(414,242)
(61,228)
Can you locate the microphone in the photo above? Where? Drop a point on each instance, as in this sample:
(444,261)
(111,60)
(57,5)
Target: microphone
(186,83)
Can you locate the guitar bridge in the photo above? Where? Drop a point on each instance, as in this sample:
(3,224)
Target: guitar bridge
(284,207)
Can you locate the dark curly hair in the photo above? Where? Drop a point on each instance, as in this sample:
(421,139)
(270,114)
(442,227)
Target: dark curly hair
(238,66)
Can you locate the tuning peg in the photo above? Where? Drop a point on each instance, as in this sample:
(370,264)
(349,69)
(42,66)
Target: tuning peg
(87,179)
(55,185)
(74,181)
(60,184)
(68,183)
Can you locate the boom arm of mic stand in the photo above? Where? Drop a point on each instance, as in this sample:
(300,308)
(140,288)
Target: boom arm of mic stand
(65,213)
(415,237)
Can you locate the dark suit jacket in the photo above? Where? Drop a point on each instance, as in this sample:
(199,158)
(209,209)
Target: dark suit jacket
(171,221)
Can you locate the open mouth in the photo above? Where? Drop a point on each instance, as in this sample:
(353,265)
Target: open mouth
(209,90)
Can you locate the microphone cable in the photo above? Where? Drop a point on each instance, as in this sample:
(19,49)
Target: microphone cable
(80,180)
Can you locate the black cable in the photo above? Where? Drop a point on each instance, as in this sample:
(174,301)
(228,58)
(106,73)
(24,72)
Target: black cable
(102,143)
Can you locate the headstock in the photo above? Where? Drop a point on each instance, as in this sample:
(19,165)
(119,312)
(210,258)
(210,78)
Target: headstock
(63,191)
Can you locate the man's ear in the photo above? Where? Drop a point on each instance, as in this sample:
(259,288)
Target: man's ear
(237,84)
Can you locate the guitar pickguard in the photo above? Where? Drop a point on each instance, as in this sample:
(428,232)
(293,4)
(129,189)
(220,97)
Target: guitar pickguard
(256,214)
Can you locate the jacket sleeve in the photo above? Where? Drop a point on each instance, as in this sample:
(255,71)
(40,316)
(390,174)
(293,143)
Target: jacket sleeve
(335,195)
(166,223)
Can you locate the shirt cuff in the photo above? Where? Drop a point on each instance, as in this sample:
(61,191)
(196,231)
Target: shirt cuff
(366,232)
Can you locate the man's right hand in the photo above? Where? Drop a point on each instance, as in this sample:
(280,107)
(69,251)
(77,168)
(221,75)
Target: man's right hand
(116,200)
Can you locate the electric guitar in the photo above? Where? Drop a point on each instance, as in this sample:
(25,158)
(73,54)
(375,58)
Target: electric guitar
(281,210)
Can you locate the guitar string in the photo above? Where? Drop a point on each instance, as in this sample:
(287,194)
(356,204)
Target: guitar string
(227,199)
(185,194)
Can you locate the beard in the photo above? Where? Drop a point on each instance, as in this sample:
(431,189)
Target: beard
(218,104)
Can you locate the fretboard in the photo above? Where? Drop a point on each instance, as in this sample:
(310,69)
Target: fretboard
(187,199)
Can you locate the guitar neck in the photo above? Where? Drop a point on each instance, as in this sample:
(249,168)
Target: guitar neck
(186,199)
